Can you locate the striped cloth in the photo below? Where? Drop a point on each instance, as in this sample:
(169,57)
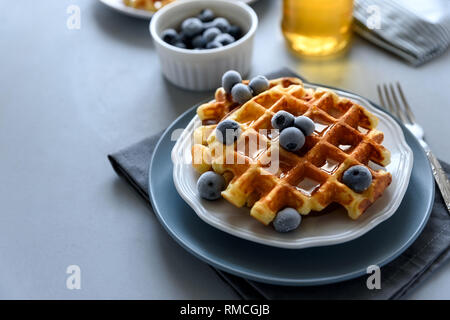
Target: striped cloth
(417,31)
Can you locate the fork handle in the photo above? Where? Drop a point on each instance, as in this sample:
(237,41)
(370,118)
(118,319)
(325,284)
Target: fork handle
(441,178)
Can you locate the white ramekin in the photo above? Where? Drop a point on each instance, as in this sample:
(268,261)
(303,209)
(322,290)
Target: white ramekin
(203,69)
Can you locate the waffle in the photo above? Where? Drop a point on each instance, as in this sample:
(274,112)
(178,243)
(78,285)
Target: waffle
(150,5)
(309,179)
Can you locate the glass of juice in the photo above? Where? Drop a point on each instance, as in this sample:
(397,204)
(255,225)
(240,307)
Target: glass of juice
(317,27)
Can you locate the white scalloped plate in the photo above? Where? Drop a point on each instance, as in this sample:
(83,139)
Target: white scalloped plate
(328,229)
(120,6)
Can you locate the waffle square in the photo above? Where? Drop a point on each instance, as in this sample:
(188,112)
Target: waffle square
(267,178)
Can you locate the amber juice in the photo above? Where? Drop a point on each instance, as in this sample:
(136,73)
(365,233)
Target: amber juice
(317,27)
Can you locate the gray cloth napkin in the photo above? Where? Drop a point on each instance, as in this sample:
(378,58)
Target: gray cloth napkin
(427,253)
(417,31)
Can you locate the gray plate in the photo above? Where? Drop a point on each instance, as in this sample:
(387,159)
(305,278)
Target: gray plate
(312,266)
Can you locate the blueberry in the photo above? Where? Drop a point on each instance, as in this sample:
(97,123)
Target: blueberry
(207,25)
(259,84)
(210,185)
(198,42)
(235,31)
(206,15)
(358,178)
(305,124)
(282,119)
(192,27)
(183,37)
(228,131)
(292,139)
(225,39)
(229,79)
(287,220)
(211,33)
(221,23)
(180,45)
(213,45)
(170,36)
(241,93)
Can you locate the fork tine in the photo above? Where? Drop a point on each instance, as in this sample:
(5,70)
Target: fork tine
(409,112)
(380,96)
(400,110)
(388,99)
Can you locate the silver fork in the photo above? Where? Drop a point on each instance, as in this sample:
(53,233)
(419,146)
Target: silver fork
(389,100)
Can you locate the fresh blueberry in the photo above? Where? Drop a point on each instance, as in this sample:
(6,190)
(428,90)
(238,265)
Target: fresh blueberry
(259,84)
(287,220)
(180,44)
(183,37)
(206,15)
(207,25)
(198,42)
(192,26)
(170,36)
(221,23)
(213,45)
(210,185)
(305,124)
(241,93)
(211,33)
(358,178)
(228,131)
(292,139)
(225,39)
(229,79)
(282,119)
(235,31)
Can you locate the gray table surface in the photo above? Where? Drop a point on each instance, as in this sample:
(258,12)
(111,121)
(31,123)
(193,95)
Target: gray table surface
(70,97)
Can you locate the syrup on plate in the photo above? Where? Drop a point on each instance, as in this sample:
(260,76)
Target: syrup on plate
(330,166)
(307,186)
(322,128)
(363,130)
(345,147)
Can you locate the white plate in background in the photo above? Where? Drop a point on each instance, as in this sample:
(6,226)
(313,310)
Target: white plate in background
(120,6)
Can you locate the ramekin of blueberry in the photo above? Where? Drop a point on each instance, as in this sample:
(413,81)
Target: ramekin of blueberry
(204,31)
(198,40)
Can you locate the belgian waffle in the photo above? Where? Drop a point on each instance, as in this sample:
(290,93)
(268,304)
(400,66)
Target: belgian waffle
(150,5)
(309,179)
